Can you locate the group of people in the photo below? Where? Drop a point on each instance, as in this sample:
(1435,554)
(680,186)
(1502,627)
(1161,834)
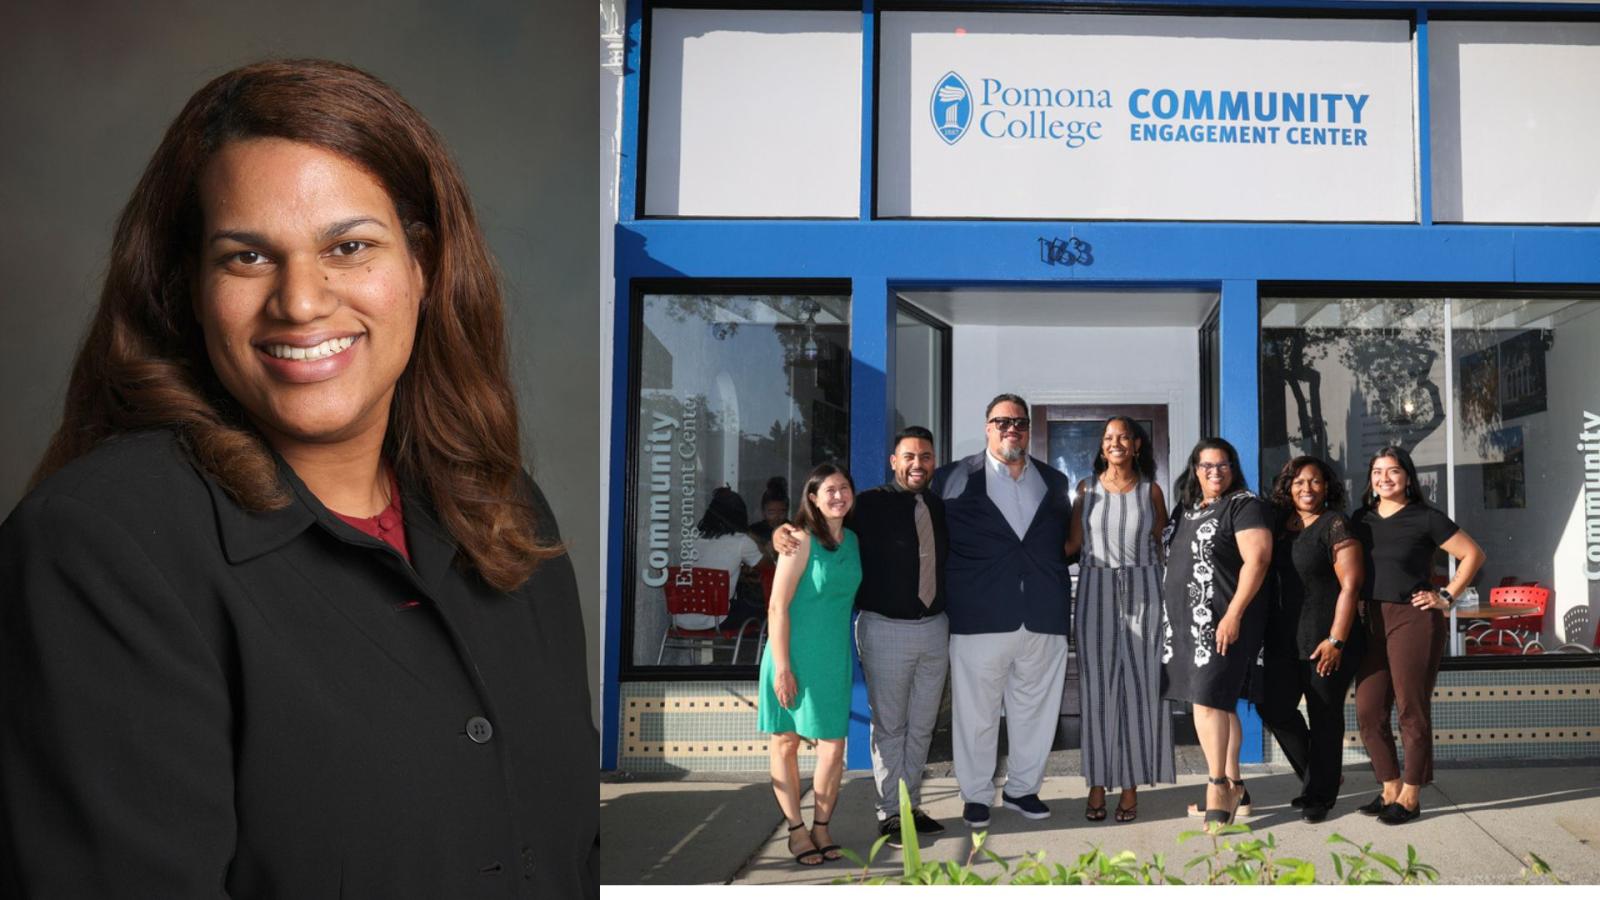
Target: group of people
(964,570)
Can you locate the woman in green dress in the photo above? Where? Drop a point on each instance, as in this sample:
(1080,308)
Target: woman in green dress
(805,669)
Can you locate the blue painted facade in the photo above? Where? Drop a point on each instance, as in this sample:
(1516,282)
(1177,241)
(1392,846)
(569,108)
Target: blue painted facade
(878,256)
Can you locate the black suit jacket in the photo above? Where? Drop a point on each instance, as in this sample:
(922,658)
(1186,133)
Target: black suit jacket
(885,524)
(199,701)
(999,582)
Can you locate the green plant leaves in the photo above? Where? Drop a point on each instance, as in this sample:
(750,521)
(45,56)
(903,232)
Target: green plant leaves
(1236,856)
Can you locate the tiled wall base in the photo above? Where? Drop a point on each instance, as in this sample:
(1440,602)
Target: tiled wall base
(710,726)
(696,726)
(1500,714)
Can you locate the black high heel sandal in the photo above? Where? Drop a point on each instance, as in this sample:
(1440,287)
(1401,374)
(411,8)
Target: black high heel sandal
(1218,816)
(831,848)
(807,858)
(1095,813)
(1196,810)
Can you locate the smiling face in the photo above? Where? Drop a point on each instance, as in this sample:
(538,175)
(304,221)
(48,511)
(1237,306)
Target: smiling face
(1011,442)
(1389,479)
(834,497)
(1214,471)
(1118,444)
(1308,490)
(913,463)
(307,292)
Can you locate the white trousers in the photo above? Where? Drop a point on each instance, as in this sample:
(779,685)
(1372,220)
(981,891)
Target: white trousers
(1022,673)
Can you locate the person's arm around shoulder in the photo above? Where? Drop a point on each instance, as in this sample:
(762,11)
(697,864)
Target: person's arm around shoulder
(784,583)
(786,539)
(116,754)
(1253,537)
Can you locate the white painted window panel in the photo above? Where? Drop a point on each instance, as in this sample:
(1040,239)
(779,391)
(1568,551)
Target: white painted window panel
(1516,120)
(754,113)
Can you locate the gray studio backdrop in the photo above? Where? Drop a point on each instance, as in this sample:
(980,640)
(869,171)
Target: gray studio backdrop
(87,89)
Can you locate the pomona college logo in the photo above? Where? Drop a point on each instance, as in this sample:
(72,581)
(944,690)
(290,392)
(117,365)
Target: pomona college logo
(951,108)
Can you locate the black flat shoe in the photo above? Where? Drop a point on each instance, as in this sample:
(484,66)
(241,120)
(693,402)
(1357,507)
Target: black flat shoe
(1372,807)
(1395,814)
(1314,812)
(890,828)
(925,824)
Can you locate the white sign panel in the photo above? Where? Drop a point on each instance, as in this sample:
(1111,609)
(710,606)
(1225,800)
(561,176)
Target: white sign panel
(1067,116)
(754,113)
(1515,121)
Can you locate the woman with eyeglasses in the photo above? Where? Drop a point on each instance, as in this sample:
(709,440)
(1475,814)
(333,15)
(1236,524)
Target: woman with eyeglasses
(1313,645)
(1219,547)
(1401,533)
(1117,520)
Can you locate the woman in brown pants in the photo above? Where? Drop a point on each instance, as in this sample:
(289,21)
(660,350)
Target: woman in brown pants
(1406,628)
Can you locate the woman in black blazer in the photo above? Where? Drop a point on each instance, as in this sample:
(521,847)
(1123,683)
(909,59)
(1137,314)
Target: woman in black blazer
(283,615)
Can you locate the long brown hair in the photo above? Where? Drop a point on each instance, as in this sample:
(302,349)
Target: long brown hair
(453,423)
(811,517)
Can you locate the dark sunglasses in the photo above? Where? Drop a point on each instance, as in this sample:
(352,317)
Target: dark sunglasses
(1005,423)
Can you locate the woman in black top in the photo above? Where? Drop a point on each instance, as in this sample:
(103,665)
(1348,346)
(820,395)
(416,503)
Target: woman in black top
(1312,649)
(1218,551)
(1406,627)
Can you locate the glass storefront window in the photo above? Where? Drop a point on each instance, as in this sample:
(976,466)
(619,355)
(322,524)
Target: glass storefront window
(1342,377)
(1499,439)
(1527,383)
(739,397)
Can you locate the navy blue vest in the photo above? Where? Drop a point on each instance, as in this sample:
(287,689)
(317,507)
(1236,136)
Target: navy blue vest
(994,581)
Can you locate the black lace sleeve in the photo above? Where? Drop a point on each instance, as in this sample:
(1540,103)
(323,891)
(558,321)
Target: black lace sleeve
(1339,533)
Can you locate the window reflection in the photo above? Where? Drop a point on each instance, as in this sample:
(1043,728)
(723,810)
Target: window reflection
(744,392)
(1499,441)
(1342,377)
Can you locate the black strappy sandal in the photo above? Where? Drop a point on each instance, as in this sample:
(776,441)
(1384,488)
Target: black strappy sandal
(831,848)
(1217,816)
(1196,810)
(807,858)
(1095,813)
(1127,813)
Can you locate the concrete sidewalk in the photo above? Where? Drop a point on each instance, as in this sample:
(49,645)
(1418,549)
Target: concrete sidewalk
(1477,824)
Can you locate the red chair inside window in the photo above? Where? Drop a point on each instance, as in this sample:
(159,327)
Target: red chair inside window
(700,591)
(1514,634)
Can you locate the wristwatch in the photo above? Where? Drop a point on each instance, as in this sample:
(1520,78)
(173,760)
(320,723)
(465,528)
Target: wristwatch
(1447,597)
(1337,644)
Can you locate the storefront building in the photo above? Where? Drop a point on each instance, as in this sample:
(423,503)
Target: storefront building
(1309,227)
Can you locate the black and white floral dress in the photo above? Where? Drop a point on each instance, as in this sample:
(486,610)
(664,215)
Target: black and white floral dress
(1203,564)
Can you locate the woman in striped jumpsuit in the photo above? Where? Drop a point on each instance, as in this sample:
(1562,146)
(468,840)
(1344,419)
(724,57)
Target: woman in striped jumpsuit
(1117,521)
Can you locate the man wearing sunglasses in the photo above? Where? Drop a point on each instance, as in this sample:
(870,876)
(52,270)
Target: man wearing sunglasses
(1008,597)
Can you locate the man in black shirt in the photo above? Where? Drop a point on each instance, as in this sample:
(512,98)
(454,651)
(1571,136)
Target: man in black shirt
(902,634)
